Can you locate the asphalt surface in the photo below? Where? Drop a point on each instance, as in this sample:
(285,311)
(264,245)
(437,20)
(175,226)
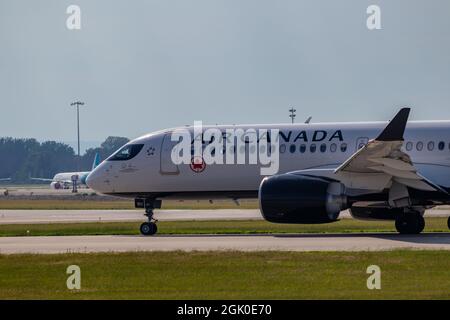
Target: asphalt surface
(284,242)
(62,216)
(68,216)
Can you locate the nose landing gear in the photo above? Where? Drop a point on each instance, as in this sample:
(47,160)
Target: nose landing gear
(148,228)
(410,223)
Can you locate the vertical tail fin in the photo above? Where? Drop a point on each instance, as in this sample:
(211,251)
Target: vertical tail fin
(96,161)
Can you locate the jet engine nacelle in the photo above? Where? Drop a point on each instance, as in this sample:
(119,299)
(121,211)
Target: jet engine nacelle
(55,185)
(291,198)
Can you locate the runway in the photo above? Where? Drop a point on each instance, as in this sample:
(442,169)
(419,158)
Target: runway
(69,216)
(281,242)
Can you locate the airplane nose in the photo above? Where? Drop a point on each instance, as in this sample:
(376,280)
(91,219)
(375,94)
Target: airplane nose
(93,180)
(89,181)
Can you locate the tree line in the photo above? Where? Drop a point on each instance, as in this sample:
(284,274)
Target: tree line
(21,159)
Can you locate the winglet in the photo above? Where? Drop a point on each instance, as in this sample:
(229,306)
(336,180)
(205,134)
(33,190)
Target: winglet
(395,129)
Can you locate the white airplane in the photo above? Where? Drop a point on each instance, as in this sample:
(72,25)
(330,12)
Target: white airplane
(377,170)
(5,179)
(65,180)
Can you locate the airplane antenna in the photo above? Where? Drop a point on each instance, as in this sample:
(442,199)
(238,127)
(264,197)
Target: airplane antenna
(292,115)
(308,120)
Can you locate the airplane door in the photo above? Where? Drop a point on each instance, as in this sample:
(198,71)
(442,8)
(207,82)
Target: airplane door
(361,142)
(167,166)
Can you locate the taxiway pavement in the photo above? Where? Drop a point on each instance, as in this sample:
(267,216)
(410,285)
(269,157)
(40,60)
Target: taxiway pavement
(69,216)
(63,216)
(277,242)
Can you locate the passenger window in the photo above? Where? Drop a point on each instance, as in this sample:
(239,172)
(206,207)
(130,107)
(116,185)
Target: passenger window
(441,145)
(323,147)
(343,147)
(292,148)
(283,148)
(312,148)
(333,147)
(419,146)
(127,152)
(409,146)
(302,148)
(430,146)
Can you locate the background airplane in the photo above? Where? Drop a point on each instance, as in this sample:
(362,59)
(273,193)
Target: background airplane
(376,170)
(64,180)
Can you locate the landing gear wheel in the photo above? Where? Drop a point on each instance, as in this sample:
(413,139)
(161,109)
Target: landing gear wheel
(410,223)
(148,228)
(448,222)
(155,228)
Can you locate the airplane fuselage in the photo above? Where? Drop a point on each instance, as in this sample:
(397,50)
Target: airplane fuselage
(152,173)
(68,176)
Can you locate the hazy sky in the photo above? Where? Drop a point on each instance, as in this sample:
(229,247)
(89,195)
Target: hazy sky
(146,65)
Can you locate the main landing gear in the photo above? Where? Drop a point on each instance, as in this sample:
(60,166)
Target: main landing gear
(410,223)
(448,222)
(148,228)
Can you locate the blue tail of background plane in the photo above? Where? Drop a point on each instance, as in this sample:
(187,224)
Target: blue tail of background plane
(96,161)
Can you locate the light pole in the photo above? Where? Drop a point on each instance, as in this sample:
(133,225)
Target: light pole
(78,104)
(292,115)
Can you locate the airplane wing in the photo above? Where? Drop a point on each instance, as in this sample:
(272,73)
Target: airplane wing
(382,157)
(42,179)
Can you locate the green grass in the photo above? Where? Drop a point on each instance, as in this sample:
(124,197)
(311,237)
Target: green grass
(436,224)
(228,275)
(92,204)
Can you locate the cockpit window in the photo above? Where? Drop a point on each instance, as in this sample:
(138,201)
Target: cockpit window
(127,152)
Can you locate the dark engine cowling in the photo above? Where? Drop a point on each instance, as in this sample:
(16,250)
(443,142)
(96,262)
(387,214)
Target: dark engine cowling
(290,198)
(55,185)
